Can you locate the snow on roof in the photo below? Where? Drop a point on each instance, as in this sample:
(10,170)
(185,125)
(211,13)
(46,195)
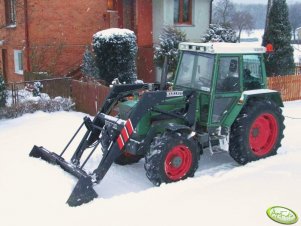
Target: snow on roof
(111,32)
(221,47)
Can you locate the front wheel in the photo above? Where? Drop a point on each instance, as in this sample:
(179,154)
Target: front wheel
(257,132)
(172,157)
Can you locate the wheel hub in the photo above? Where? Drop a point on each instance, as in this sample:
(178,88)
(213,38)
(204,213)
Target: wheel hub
(263,134)
(178,162)
(255,132)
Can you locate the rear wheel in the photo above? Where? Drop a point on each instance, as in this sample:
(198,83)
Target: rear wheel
(172,157)
(257,132)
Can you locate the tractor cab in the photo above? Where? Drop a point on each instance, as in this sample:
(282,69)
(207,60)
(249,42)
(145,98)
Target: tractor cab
(220,73)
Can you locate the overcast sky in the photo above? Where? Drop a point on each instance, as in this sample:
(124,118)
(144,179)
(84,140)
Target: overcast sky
(261,1)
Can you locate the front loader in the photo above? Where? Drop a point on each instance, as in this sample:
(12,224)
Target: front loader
(218,102)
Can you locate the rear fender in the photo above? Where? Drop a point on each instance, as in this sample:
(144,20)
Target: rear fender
(266,94)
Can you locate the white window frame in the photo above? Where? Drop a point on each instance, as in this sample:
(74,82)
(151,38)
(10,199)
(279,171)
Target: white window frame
(18,61)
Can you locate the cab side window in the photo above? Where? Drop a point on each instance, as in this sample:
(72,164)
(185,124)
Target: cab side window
(228,75)
(252,72)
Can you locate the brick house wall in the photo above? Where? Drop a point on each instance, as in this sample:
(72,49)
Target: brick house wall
(64,28)
(54,38)
(58,32)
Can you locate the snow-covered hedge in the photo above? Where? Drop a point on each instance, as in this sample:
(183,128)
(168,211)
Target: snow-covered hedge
(31,106)
(3,92)
(28,103)
(168,46)
(116,50)
(218,33)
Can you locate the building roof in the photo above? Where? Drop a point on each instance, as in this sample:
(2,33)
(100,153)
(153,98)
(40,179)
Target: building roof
(221,47)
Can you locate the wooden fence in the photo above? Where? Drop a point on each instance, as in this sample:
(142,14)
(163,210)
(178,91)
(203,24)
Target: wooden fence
(289,86)
(88,96)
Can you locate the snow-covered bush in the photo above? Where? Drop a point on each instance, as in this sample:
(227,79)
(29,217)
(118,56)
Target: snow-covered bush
(88,66)
(218,33)
(37,87)
(3,92)
(168,46)
(116,50)
(31,106)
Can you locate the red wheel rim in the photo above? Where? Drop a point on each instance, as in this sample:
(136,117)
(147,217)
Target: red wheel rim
(178,162)
(263,134)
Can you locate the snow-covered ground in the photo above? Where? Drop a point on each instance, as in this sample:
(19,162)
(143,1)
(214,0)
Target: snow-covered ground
(257,34)
(33,192)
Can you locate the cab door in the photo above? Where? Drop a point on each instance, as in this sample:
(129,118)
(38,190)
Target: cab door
(227,87)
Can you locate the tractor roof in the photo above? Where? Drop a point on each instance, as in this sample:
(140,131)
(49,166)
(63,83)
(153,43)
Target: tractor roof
(221,47)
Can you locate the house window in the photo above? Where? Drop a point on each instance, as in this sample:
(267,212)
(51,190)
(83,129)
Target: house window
(18,60)
(10,12)
(112,5)
(183,11)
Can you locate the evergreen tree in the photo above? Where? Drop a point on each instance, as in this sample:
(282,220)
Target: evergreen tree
(168,46)
(89,65)
(116,51)
(278,33)
(219,33)
(3,92)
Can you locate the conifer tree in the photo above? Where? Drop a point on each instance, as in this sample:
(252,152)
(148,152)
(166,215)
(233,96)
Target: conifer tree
(278,33)
(219,33)
(89,65)
(169,38)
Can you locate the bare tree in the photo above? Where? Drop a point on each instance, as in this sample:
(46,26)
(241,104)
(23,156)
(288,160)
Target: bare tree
(222,12)
(295,17)
(242,20)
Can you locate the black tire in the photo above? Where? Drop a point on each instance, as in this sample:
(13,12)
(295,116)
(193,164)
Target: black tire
(127,159)
(257,132)
(181,153)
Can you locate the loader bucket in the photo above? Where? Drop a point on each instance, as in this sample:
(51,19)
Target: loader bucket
(83,191)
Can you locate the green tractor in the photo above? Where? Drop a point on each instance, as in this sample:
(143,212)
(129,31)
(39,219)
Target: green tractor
(219,100)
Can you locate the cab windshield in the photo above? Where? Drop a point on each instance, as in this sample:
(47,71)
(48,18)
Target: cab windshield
(195,71)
